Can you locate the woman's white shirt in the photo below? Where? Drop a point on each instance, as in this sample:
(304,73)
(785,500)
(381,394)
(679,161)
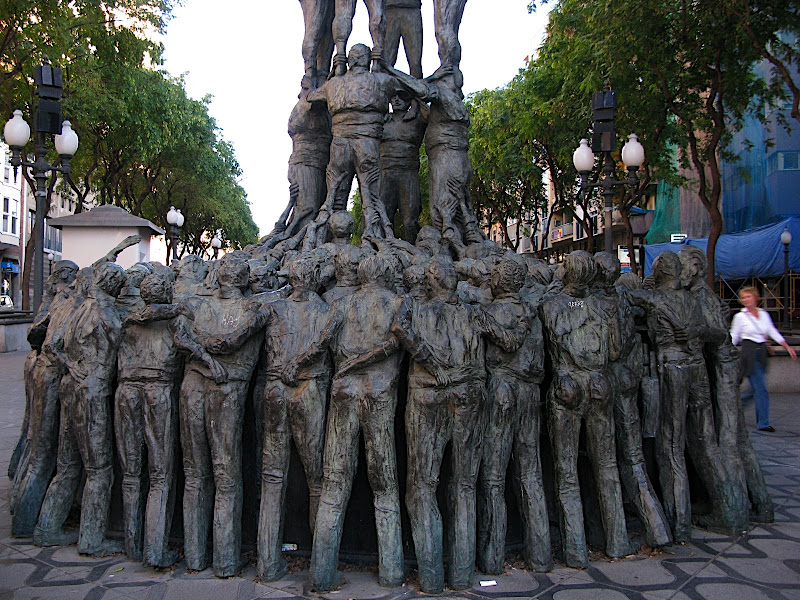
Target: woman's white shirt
(746,326)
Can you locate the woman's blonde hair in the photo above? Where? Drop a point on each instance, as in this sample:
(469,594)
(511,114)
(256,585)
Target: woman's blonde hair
(750,290)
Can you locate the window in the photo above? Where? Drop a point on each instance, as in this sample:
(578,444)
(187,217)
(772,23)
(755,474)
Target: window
(10,217)
(52,238)
(783,161)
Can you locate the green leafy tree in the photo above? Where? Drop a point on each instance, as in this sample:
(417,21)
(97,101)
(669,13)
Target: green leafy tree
(507,182)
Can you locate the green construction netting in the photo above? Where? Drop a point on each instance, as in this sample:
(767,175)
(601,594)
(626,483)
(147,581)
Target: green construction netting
(667,218)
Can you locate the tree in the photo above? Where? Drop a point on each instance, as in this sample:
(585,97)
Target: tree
(773,27)
(145,145)
(694,86)
(77,32)
(507,182)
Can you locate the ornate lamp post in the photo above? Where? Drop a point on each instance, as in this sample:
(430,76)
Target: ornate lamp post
(216,244)
(50,258)
(17,132)
(604,141)
(175,220)
(786,239)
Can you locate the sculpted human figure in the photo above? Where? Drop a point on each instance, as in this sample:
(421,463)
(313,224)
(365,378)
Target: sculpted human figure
(579,341)
(191,272)
(363,399)
(345,264)
(149,370)
(738,456)
(514,423)
(130,299)
(404,20)
(310,130)
(318,38)
(446,21)
(678,331)
(446,404)
(294,407)
(626,374)
(357,101)
(88,352)
(403,132)
(42,377)
(343,25)
(212,398)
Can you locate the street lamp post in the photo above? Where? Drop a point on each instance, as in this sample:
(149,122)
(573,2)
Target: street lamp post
(17,132)
(50,258)
(216,244)
(604,140)
(175,220)
(786,239)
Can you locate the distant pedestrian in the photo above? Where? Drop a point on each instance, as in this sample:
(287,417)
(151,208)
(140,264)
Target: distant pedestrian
(752,327)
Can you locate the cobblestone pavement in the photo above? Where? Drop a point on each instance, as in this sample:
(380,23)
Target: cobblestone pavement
(764,563)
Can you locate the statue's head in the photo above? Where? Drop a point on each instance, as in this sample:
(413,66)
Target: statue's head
(538,269)
(136,273)
(304,274)
(83,281)
(480,273)
(429,240)
(414,281)
(156,288)
(440,275)
(378,269)
(667,270)
(345,264)
(64,273)
(109,277)
(233,272)
(401,102)
(340,224)
(483,249)
(508,277)
(579,270)
(629,280)
(694,263)
(608,269)
(192,268)
(359,56)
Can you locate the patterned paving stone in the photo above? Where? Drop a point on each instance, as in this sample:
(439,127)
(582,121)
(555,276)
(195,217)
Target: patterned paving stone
(733,591)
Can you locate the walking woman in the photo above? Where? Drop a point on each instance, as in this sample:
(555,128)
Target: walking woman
(752,327)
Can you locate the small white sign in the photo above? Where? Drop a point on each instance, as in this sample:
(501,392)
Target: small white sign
(489,583)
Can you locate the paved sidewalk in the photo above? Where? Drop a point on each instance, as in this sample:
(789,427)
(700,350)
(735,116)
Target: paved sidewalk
(763,564)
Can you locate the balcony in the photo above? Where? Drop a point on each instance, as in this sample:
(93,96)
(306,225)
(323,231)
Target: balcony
(561,232)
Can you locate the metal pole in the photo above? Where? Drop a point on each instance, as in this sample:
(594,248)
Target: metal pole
(608,200)
(786,320)
(174,242)
(40,169)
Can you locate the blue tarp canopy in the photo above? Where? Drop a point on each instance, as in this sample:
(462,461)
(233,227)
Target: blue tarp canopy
(755,252)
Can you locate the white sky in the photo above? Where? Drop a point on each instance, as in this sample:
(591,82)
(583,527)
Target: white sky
(247,56)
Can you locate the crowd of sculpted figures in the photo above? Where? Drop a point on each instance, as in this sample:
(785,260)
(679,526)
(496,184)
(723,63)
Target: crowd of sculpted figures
(504,354)
(500,350)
